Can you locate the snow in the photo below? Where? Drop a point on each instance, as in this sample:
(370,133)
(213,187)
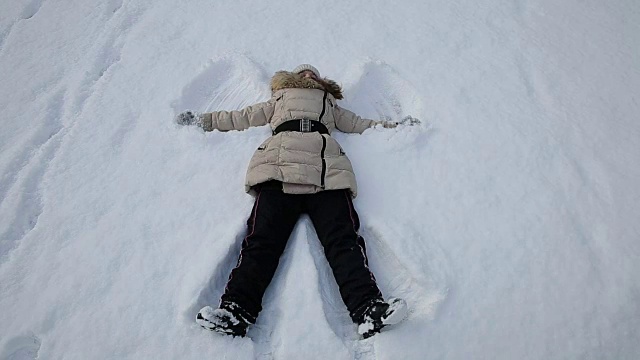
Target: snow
(509,219)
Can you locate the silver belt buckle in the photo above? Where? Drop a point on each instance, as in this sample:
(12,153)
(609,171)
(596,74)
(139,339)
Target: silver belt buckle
(305,125)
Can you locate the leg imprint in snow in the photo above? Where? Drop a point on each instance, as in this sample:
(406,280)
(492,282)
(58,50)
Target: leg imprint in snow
(21,201)
(227,83)
(211,291)
(24,347)
(414,269)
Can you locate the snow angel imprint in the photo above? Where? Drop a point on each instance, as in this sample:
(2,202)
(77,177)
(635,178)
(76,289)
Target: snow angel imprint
(299,169)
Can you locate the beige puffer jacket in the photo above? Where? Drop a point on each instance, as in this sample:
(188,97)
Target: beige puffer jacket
(304,162)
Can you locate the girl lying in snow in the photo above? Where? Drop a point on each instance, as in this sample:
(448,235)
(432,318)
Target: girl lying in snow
(300,169)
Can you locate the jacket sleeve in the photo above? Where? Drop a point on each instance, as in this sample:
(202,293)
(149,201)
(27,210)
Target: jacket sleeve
(347,121)
(254,115)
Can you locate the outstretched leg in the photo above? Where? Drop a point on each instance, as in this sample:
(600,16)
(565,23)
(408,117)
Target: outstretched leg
(271,222)
(337,223)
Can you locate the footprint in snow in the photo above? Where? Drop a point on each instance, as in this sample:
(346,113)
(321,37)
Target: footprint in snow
(25,347)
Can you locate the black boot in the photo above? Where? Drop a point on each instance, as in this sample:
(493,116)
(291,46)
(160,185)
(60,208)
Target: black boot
(229,319)
(378,314)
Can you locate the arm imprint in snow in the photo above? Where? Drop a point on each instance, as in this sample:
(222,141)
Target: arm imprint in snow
(292,100)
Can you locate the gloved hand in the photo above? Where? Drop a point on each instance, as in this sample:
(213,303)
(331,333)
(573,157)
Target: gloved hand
(408,121)
(189,118)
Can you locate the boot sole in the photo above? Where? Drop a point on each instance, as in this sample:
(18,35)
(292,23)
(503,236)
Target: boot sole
(397,312)
(211,326)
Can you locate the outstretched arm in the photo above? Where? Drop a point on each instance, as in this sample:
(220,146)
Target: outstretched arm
(349,122)
(253,115)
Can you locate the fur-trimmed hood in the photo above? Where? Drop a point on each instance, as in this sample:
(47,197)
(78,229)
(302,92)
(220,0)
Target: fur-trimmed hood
(286,80)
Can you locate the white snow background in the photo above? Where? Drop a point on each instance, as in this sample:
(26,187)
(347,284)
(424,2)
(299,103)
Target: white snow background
(509,219)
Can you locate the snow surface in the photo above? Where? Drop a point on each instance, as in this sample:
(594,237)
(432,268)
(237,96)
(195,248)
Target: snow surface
(509,219)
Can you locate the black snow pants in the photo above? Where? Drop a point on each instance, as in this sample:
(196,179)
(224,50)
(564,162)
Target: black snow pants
(272,220)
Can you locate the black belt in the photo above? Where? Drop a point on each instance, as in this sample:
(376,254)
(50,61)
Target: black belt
(302,125)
